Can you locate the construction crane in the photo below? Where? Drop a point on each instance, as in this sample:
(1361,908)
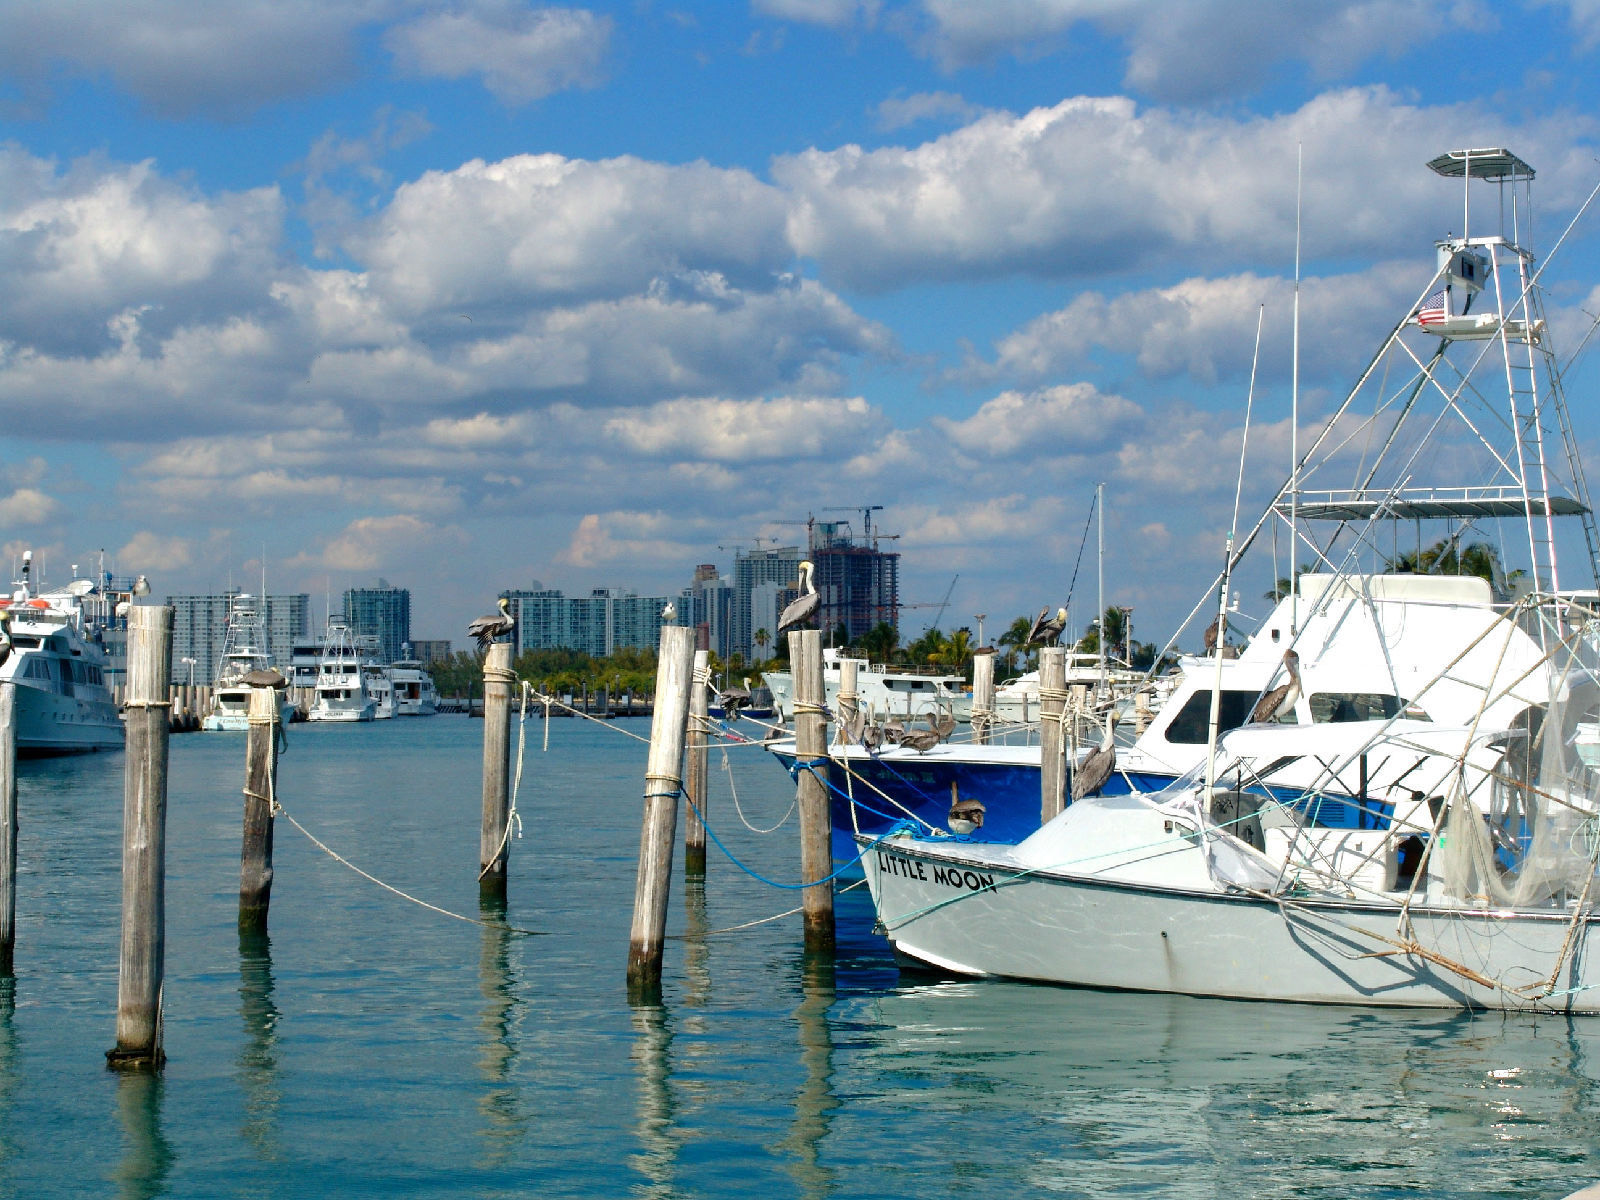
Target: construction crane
(941,605)
(738,543)
(866,511)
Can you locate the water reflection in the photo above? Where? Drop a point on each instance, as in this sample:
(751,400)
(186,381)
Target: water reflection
(815,1102)
(10,1068)
(1216,1098)
(504,1120)
(656,1127)
(257,1064)
(148,1157)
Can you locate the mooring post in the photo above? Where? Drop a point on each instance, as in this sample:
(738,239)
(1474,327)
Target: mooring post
(811,754)
(494,841)
(8,825)
(982,694)
(849,700)
(663,780)
(260,784)
(142,961)
(1052,743)
(694,826)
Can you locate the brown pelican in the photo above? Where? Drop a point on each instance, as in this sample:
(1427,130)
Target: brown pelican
(1090,775)
(920,740)
(494,626)
(804,608)
(965,815)
(1213,631)
(872,737)
(5,635)
(1047,628)
(733,699)
(1281,699)
(944,725)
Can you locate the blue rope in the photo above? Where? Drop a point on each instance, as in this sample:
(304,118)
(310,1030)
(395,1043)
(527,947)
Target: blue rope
(792,887)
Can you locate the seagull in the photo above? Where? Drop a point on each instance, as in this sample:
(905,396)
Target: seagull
(1047,629)
(494,626)
(1090,775)
(965,815)
(141,586)
(669,614)
(1281,699)
(1213,631)
(803,609)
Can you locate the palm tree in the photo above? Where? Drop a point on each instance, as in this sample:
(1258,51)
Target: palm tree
(880,642)
(1013,639)
(1448,556)
(1282,587)
(761,638)
(957,650)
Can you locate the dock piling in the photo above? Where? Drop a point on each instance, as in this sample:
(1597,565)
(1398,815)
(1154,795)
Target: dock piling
(494,846)
(142,958)
(1052,740)
(849,699)
(982,694)
(260,790)
(663,781)
(694,828)
(8,825)
(811,751)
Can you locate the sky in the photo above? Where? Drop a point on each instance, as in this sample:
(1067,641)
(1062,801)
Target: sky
(465,296)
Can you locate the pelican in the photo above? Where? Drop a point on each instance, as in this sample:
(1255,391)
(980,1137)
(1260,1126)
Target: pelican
(1281,699)
(965,815)
(920,740)
(872,738)
(1047,629)
(1090,775)
(733,699)
(496,625)
(803,609)
(944,725)
(5,635)
(1214,631)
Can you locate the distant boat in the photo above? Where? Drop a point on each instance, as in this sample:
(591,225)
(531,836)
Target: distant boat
(58,664)
(882,691)
(244,649)
(414,693)
(342,693)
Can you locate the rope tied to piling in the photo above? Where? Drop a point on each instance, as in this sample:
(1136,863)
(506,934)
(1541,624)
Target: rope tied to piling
(499,675)
(674,786)
(512,817)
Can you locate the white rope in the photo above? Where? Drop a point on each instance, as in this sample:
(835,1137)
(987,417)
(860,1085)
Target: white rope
(728,769)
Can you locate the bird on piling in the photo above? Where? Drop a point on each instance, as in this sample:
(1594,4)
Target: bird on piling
(1281,699)
(141,586)
(803,609)
(966,814)
(1090,775)
(5,635)
(496,625)
(1046,628)
(669,614)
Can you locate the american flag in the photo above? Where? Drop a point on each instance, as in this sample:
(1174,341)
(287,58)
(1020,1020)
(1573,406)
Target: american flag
(1435,308)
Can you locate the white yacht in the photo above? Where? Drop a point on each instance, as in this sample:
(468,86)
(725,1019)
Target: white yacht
(414,693)
(884,691)
(57,663)
(342,693)
(381,688)
(243,650)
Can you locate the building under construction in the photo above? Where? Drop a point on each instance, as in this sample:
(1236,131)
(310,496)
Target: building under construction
(859,584)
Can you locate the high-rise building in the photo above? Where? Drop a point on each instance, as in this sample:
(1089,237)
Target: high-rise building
(383,613)
(858,583)
(751,569)
(707,605)
(200,629)
(599,624)
(431,650)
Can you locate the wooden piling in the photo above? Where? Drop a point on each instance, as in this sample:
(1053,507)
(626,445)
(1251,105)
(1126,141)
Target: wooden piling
(142,960)
(494,844)
(260,782)
(811,747)
(8,825)
(982,694)
(1052,740)
(694,828)
(663,780)
(849,699)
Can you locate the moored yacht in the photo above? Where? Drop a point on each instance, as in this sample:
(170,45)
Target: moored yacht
(244,650)
(414,693)
(884,691)
(341,683)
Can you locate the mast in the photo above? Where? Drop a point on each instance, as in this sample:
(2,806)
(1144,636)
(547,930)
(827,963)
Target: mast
(1100,567)
(1294,407)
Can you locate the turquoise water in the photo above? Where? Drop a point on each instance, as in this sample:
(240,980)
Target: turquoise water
(376,1048)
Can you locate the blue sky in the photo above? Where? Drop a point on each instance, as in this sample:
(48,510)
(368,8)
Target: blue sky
(469,295)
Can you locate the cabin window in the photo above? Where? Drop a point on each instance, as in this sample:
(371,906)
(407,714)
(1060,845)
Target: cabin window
(1333,708)
(1192,723)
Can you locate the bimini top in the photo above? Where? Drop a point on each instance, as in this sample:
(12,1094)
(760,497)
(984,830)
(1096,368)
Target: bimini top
(1495,163)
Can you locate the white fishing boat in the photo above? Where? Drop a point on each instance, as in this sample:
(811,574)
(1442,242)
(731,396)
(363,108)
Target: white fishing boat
(341,693)
(244,650)
(57,665)
(884,691)
(1469,876)
(414,693)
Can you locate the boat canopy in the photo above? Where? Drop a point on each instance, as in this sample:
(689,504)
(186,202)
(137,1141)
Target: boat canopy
(1492,163)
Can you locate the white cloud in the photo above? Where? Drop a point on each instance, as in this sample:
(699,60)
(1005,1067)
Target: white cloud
(738,430)
(1075,418)
(156,552)
(521,53)
(627,537)
(899,111)
(371,543)
(834,14)
(27,506)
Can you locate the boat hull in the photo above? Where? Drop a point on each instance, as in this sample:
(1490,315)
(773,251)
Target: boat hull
(975,915)
(49,724)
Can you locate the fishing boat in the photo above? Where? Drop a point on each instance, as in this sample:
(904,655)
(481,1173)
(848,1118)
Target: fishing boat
(414,693)
(57,666)
(341,691)
(1443,851)
(244,650)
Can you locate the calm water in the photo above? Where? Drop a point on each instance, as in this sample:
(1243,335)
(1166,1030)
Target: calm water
(379,1049)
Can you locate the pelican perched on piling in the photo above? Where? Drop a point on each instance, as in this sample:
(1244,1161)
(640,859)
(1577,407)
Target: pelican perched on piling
(1281,699)
(493,627)
(803,609)
(1089,776)
(1047,628)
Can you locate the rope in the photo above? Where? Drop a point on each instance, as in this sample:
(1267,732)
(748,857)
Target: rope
(389,887)
(789,912)
(727,768)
